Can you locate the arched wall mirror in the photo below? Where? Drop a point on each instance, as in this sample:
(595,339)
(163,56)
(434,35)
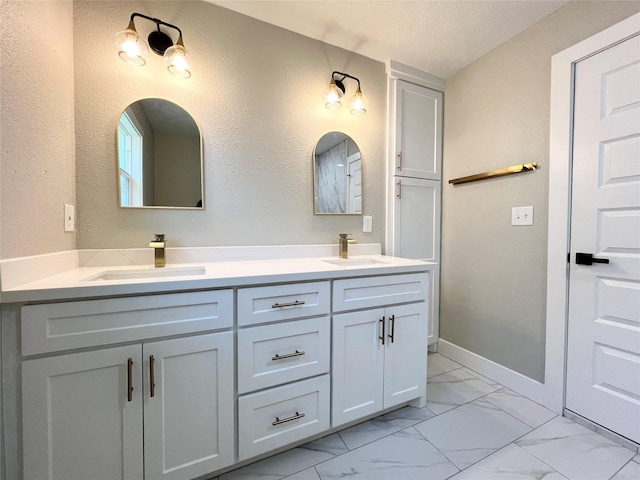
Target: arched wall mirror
(159,156)
(337,175)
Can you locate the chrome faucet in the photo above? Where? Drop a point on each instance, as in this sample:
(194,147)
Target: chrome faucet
(343,245)
(158,244)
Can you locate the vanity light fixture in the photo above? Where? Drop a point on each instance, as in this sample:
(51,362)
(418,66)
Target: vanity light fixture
(133,50)
(336,90)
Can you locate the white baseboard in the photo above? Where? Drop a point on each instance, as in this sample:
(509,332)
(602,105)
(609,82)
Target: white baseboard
(515,381)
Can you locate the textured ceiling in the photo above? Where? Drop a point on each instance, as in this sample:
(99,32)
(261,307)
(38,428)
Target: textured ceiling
(439,37)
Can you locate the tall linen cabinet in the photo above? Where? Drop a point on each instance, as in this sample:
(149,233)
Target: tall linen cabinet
(414,172)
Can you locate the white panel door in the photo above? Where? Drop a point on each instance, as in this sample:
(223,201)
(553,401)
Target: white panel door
(418,131)
(78,422)
(188,412)
(405,360)
(603,364)
(358,365)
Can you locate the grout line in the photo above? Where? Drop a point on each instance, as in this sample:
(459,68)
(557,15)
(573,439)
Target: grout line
(539,459)
(440,452)
(617,471)
(520,420)
(443,373)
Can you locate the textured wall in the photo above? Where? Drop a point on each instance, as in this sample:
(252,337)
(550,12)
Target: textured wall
(493,291)
(36,127)
(256,93)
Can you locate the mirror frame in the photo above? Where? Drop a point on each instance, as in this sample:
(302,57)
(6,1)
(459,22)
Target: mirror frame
(313,163)
(158,207)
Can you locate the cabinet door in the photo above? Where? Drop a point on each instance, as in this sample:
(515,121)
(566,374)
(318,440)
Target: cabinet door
(357,359)
(416,233)
(418,131)
(416,219)
(77,420)
(405,362)
(188,422)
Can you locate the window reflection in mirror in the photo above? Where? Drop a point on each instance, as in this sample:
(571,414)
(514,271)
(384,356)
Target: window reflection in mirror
(159,156)
(337,168)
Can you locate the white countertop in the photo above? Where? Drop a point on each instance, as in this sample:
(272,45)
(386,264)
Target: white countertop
(79,281)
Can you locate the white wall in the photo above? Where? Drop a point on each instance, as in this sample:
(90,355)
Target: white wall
(256,94)
(493,290)
(36,127)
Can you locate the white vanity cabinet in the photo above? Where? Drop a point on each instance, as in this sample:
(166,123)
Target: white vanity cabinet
(182,385)
(154,410)
(284,363)
(379,355)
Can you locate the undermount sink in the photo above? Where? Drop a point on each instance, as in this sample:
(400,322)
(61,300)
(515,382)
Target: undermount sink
(351,262)
(148,273)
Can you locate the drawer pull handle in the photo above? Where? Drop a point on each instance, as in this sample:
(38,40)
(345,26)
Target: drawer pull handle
(288,355)
(152,376)
(392,320)
(277,421)
(381,337)
(129,379)
(290,304)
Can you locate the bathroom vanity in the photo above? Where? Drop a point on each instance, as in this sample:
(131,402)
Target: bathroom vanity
(183,372)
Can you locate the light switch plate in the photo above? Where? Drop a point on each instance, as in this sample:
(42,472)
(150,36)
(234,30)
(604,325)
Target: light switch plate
(69,218)
(522,216)
(367,224)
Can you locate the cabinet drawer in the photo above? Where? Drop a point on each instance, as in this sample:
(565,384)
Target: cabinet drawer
(284,352)
(68,325)
(357,293)
(282,415)
(282,302)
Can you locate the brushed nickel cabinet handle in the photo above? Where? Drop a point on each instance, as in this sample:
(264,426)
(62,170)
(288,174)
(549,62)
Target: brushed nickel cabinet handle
(291,304)
(400,160)
(381,337)
(288,355)
(152,376)
(129,379)
(399,190)
(392,320)
(277,421)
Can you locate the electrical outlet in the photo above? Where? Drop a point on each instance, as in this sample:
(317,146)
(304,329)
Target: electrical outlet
(69,218)
(522,216)
(367,224)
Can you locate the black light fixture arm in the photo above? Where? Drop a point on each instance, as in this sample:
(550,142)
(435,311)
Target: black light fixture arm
(157,21)
(340,83)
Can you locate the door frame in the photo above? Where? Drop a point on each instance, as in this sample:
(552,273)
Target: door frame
(559,209)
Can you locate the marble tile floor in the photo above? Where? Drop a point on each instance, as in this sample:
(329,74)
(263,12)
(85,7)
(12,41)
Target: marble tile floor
(471,429)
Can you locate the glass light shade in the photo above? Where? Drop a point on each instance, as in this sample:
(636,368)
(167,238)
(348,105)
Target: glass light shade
(130,47)
(358,104)
(177,63)
(332,96)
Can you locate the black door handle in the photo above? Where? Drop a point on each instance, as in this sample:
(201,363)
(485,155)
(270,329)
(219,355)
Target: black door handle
(589,259)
